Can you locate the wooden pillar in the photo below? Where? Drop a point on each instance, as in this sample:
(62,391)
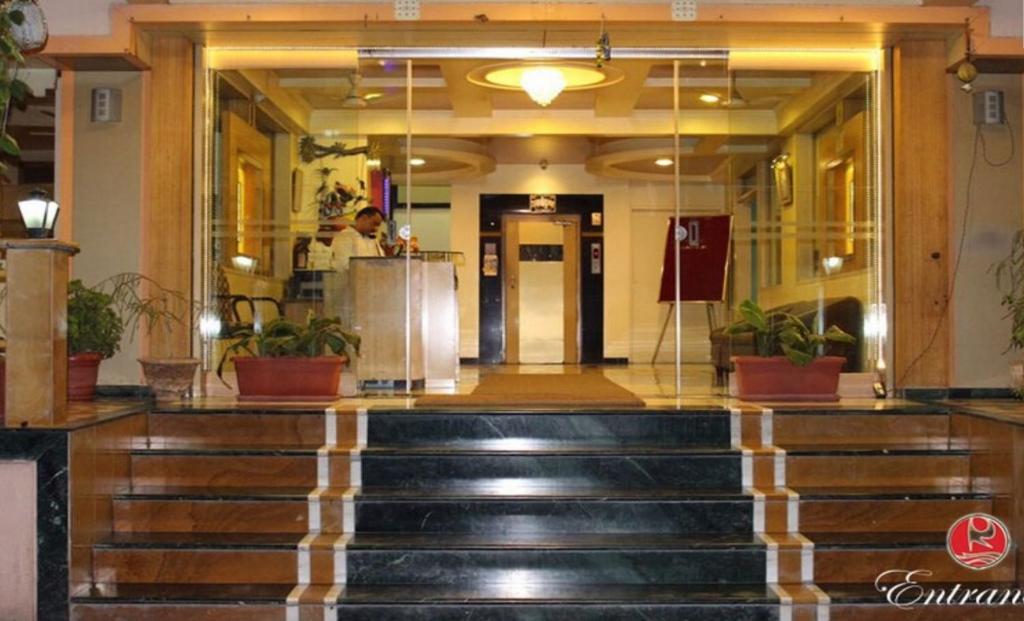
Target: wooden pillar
(36,380)
(167,186)
(921,250)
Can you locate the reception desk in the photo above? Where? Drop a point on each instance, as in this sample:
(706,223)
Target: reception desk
(378,292)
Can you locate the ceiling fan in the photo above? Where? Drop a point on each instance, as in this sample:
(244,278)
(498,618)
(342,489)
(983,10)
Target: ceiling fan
(737,100)
(353,100)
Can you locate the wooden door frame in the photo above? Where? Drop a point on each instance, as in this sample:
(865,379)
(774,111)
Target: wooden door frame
(571,274)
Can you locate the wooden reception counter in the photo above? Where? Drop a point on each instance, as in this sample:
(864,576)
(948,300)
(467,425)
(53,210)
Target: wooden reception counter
(378,289)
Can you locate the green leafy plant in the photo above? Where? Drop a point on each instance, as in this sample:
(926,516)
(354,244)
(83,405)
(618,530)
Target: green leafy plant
(94,325)
(12,90)
(284,338)
(1009,275)
(785,334)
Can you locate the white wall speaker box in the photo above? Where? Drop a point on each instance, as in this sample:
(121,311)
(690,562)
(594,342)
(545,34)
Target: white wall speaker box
(988,108)
(106,105)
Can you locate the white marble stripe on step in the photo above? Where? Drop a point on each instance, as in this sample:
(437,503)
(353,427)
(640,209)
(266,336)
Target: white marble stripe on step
(323,467)
(331,602)
(793,511)
(780,467)
(292,611)
(355,464)
(767,427)
(340,559)
(362,427)
(349,511)
(806,559)
(759,508)
(305,562)
(315,515)
(747,466)
(331,427)
(785,603)
(736,426)
(771,570)
(824,602)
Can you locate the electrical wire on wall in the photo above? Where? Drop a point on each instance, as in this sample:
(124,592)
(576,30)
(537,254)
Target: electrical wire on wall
(979,140)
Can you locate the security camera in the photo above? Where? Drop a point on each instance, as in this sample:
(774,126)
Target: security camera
(544,164)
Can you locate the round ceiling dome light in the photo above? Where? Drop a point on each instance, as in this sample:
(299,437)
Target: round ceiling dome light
(417,161)
(710,98)
(544,81)
(663,162)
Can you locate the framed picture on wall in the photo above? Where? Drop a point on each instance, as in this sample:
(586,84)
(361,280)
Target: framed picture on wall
(297,190)
(783,172)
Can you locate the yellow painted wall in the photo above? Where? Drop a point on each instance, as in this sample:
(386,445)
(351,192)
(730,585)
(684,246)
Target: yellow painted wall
(980,329)
(108,198)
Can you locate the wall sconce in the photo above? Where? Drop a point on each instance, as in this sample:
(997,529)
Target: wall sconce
(244,263)
(831,265)
(39,214)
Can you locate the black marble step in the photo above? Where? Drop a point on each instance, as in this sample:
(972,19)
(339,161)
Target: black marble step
(663,469)
(501,431)
(513,510)
(570,559)
(504,602)
(522,600)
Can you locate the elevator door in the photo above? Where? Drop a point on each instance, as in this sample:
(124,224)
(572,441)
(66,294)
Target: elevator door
(541,289)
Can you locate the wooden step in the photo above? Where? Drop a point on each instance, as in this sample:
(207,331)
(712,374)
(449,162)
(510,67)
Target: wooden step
(237,467)
(878,469)
(889,510)
(229,510)
(859,558)
(168,430)
(881,429)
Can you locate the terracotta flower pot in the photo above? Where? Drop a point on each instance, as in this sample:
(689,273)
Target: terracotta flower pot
(289,378)
(778,379)
(83,370)
(169,378)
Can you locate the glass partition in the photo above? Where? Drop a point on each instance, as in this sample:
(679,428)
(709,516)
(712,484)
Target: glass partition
(619,220)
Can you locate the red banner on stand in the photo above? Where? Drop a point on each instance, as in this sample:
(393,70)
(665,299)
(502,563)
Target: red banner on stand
(703,259)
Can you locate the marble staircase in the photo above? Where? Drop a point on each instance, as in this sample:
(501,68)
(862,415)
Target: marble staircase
(699,514)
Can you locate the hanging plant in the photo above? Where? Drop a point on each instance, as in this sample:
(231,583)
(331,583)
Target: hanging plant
(16,34)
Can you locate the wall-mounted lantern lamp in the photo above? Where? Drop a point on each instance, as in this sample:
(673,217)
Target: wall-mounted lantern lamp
(39,214)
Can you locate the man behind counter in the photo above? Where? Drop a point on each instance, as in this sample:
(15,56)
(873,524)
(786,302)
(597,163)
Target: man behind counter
(333,253)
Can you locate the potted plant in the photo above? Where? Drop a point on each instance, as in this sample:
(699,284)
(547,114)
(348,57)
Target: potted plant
(128,301)
(1009,275)
(94,334)
(143,302)
(289,360)
(789,365)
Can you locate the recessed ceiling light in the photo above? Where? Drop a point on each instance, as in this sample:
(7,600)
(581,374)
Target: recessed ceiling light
(372,96)
(524,135)
(663,161)
(710,98)
(417,161)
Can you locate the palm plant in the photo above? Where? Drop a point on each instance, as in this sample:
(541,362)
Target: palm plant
(784,333)
(281,338)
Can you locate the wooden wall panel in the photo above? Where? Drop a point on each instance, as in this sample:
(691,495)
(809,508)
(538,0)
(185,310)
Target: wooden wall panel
(167,190)
(920,214)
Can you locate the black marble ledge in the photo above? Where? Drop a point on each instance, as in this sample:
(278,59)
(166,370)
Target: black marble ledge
(49,449)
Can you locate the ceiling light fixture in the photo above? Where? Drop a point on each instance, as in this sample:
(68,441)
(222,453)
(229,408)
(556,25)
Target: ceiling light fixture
(372,96)
(542,84)
(710,98)
(663,162)
(544,81)
(417,161)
